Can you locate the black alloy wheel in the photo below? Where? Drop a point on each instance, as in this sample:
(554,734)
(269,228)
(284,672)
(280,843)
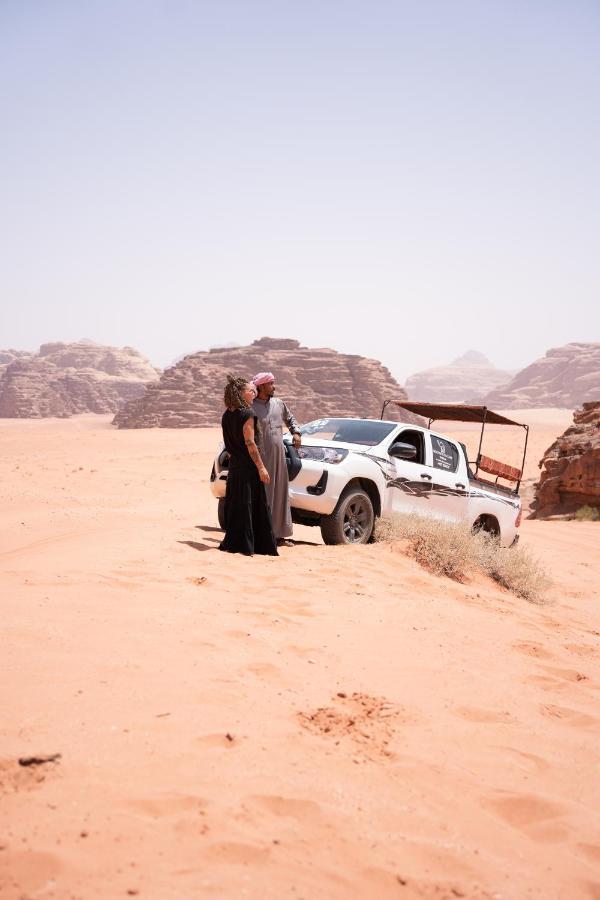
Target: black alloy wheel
(352,520)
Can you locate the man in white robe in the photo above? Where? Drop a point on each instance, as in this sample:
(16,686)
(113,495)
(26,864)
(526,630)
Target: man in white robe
(273,414)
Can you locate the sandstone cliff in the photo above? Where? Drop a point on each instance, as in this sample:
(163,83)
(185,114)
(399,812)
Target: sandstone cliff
(565,377)
(64,379)
(571,467)
(466,380)
(315,382)
(9,356)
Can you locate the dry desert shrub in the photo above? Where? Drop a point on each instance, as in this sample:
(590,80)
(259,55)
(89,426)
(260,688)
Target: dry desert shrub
(454,550)
(588,514)
(514,568)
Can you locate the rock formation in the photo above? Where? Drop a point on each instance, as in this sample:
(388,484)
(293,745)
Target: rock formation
(571,467)
(466,380)
(65,379)
(9,356)
(316,382)
(566,377)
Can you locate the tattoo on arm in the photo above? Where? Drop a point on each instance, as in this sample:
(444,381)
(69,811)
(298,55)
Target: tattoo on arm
(251,444)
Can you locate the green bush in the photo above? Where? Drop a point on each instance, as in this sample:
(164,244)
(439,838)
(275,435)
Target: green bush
(588,514)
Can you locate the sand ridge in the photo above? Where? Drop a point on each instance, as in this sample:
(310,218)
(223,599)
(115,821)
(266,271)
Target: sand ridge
(332,723)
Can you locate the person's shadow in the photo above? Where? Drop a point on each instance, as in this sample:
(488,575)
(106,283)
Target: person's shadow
(196,545)
(209,528)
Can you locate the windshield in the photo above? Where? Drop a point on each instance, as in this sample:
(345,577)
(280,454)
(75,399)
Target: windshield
(349,431)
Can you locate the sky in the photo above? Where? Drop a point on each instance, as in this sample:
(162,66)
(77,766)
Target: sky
(401,180)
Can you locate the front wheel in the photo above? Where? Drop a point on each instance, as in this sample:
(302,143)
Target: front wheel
(221,513)
(352,520)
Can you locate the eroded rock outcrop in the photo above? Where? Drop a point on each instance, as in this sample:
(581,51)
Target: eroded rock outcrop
(565,377)
(64,379)
(9,356)
(570,468)
(465,380)
(316,382)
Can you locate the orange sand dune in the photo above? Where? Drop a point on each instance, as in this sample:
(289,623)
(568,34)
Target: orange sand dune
(333,723)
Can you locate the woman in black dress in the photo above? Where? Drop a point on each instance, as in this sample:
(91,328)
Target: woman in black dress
(248,527)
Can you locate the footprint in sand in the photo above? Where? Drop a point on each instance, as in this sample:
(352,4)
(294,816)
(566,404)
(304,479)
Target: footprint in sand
(532,648)
(571,675)
(264,670)
(304,652)
(238,634)
(525,810)
(289,807)
(531,759)
(586,651)
(294,607)
(546,682)
(573,717)
(161,806)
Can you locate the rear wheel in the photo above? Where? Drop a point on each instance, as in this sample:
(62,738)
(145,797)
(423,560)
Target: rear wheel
(221,513)
(352,520)
(488,524)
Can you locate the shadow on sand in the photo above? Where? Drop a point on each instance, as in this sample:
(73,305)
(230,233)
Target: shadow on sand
(196,545)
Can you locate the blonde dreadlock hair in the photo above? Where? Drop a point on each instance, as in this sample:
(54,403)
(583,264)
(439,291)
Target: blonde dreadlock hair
(233,392)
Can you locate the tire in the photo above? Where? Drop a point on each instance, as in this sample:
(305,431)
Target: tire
(221,512)
(488,524)
(352,520)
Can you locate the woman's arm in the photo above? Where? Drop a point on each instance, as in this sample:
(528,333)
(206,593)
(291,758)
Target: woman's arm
(253,451)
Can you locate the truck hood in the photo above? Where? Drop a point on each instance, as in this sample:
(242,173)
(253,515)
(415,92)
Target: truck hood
(337,445)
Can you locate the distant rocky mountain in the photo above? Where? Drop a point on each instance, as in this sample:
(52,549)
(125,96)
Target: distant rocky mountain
(565,377)
(315,381)
(9,356)
(570,475)
(65,379)
(465,380)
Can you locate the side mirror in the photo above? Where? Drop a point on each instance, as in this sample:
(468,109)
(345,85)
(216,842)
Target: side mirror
(403,451)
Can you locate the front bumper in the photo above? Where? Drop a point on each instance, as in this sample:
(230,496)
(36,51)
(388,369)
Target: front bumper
(316,488)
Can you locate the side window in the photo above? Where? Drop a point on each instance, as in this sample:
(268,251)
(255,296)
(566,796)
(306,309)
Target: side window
(445,454)
(415,438)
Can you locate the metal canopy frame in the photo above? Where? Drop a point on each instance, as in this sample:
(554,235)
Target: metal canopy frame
(461,412)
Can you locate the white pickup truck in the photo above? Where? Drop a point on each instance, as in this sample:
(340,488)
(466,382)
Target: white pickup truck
(350,471)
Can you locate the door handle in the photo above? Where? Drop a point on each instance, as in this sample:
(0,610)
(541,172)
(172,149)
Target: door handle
(423,475)
(458,484)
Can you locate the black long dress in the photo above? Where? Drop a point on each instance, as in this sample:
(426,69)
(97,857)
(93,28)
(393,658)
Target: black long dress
(248,527)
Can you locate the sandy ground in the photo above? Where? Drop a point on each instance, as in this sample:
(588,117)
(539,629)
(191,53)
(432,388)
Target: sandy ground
(333,723)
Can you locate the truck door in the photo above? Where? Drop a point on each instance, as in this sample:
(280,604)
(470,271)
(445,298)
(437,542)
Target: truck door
(449,482)
(409,491)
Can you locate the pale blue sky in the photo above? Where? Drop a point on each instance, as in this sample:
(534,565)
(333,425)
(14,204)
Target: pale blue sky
(400,180)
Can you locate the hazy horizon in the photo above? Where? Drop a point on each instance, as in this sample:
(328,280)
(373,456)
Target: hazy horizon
(406,182)
(446,362)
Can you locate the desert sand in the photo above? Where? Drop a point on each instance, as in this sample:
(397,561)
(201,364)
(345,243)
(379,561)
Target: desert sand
(333,723)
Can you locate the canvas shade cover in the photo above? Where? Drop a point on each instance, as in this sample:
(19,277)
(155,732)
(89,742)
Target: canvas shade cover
(455,412)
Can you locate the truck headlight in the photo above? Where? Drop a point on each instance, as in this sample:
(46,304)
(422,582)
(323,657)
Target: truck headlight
(322,454)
